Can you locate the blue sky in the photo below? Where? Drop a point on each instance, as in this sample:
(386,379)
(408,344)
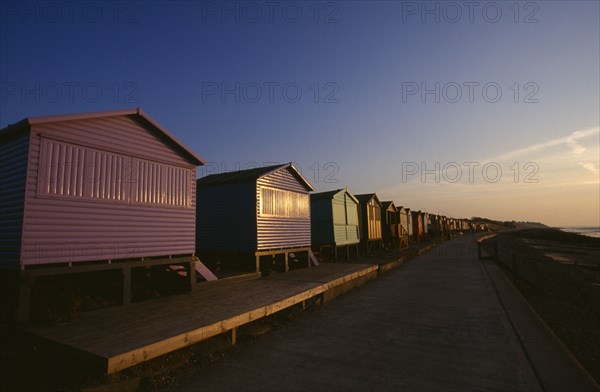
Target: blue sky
(336,87)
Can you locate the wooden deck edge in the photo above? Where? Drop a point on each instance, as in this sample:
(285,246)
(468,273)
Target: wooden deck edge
(385,267)
(486,237)
(131,358)
(230,279)
(425,249)
(73,352)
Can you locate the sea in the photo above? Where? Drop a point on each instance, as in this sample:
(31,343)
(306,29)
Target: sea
(589,231)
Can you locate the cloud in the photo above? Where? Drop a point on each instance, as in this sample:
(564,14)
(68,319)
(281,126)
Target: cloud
(570,141)
(590,166)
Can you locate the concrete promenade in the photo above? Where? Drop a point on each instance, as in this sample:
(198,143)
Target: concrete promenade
(444,321)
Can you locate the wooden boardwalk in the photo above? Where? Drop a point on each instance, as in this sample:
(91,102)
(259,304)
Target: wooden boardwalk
(120,337)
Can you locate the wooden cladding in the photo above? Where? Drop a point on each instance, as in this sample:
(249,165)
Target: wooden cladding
(374,221)
(345,211)
(76,172)
(284,204)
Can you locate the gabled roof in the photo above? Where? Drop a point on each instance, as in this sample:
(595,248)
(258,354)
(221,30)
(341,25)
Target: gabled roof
(29,121)
(385,205)
(332,194)
(364,198)
(251,175)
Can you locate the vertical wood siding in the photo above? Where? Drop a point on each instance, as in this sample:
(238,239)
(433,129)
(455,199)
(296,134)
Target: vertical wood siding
(335,220)
(113,213)
(370,220)
(403,217)
(374,220)
(346,225)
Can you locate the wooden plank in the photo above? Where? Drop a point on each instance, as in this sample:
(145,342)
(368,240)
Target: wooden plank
(314,259)
(142,354)
(126,336)
(204,271)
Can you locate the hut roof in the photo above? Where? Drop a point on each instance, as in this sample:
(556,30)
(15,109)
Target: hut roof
(251,175)
(163,133)
(366,197)
(386,204)
(331,194)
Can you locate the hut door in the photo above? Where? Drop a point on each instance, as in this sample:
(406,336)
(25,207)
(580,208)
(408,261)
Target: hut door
(351,219)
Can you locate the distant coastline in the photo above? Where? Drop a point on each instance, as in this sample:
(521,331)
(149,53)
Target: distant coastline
(588,231)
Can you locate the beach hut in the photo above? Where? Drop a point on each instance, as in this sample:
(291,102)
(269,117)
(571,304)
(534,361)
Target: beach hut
(440,228)
(417,222)
(433,227)
(389,224)
(426,223)
(263,212)
(453,226)
(370,220)
(403,232)
(443,227)
(80,192)
(334,221)
(409,216)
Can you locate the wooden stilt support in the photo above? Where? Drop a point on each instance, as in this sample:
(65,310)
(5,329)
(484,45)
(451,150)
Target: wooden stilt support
(126,272)
(287,262)
(25,287)
(192,275)
(233,336)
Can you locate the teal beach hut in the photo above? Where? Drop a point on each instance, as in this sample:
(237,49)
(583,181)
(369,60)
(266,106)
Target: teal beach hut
(334,222)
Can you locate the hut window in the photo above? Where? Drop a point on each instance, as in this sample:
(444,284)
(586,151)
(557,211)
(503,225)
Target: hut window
(108,175)
(282,203)
(71,171)
(61,169)
(159,184)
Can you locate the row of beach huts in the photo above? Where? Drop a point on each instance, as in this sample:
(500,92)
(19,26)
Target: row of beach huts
(91,192)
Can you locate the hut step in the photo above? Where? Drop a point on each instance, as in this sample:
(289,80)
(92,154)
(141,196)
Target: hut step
(313,258)
(204,271)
